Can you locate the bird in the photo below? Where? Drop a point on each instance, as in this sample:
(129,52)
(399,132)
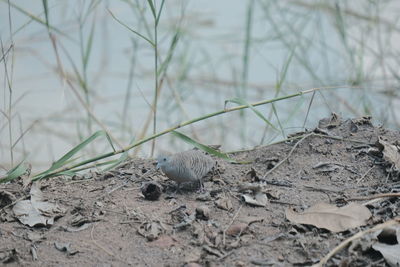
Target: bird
(185,167)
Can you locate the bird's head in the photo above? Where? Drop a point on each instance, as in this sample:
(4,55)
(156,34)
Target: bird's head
(162,161)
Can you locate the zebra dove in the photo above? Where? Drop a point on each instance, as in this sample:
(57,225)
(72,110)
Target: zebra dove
(187,166)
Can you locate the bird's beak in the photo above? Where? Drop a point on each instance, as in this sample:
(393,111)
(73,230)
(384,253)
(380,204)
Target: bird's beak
(158,166)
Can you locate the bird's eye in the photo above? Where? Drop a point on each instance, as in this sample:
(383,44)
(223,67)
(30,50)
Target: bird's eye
(164,159)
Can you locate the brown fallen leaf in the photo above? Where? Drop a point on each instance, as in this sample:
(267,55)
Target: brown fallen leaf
(330,217)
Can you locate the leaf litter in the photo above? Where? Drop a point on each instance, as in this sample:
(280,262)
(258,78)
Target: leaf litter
(36,211)
(241,218)
(330,217)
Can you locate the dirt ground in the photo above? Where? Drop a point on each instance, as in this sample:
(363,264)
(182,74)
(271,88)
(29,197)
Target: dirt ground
(104,219)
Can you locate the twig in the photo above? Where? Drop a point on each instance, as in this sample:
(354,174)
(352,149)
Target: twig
(98,245)
(284,203)
(288,156)
(375,196)
(116,188)
(354,237)
(230,224)
(365,174)
(321,189)
(372,201)
(80,181)
(339,138)
(226,255)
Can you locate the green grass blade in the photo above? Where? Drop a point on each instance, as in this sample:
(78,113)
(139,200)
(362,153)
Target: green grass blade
(205,148)
(46,13)
(159,12)
(89,46)
(165,64)
(121,159)
(110,141)
(285,69)
(14,173)
(81,80)
(135,32)
(35,18)
(246,52)
(240,101)
(63,160)
(153,9)
(66,158)
(278,120)
(68,173)
(115,163)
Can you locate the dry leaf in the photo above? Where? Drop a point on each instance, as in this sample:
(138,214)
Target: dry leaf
(260,199)
(35,211)
(391,253)
(330,217)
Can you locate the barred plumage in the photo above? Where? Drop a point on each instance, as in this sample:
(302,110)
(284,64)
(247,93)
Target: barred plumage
(187,166)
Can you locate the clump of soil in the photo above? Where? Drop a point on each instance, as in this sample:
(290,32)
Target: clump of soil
(240,219)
